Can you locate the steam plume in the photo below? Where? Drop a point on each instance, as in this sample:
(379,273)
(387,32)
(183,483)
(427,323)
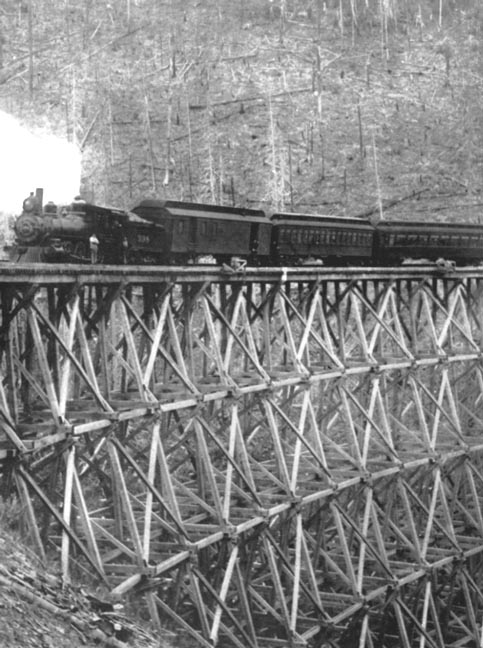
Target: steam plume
(29,160)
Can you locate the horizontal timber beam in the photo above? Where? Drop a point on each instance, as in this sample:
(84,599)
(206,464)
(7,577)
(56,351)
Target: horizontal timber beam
(52,274)
(157,407)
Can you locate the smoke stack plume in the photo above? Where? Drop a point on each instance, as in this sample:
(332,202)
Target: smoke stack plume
(29,160)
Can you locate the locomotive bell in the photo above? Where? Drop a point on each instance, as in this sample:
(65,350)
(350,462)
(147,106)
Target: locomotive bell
(50,208)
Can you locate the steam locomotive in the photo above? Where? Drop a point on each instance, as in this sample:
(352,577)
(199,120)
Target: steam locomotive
(62,233)
(171,232)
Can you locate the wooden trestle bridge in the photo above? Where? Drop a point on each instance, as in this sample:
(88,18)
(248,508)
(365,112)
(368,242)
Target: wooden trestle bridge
(280,457)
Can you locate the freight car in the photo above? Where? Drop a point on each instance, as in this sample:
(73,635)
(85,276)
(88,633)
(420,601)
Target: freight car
(172,232)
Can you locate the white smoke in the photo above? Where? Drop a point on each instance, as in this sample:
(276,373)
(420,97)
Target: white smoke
(29,160)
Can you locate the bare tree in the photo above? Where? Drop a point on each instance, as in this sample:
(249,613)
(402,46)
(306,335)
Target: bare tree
(30,29)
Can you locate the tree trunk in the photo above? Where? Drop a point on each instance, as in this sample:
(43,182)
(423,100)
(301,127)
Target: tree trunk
(31,48)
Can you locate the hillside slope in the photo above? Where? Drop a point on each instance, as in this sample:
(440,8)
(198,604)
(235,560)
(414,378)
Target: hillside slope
(351,108)
(37,612)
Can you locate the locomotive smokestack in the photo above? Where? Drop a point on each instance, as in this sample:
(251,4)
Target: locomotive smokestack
(39,196)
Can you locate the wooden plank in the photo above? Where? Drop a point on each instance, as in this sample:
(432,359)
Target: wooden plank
(297,574)
(223,593)
(66,511)
(45,369)
(31,482)
(86,522)
(160,350)
(124,496)
(66,368)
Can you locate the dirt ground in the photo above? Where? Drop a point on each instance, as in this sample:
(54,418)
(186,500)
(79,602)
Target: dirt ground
(37,611)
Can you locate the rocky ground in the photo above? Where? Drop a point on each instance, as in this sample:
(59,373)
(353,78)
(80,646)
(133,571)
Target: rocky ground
(36,611)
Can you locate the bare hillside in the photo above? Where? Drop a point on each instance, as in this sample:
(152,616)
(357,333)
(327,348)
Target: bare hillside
(357,107)
(37,611)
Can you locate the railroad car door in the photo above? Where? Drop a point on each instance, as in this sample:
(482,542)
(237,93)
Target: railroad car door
(192,235)
(260,239)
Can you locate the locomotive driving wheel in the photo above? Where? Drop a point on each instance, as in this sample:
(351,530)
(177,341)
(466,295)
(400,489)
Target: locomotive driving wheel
(80,251)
